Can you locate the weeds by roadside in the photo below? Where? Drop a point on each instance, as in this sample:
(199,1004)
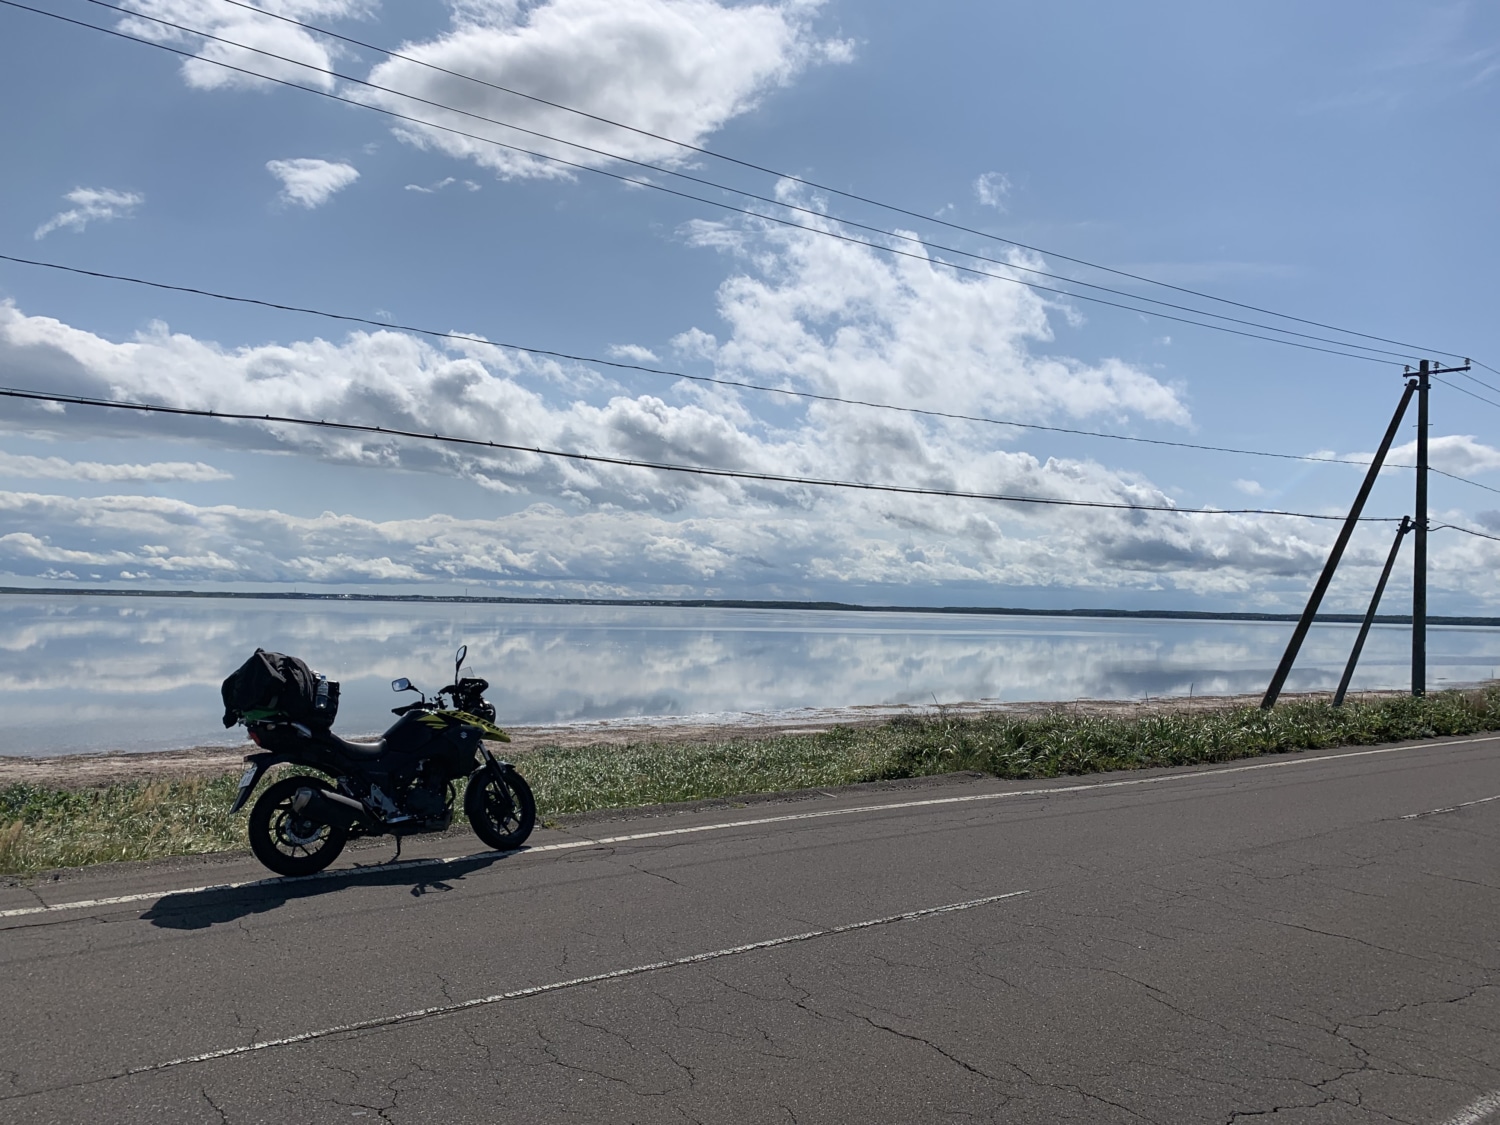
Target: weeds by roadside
(43,827)
(1061,743)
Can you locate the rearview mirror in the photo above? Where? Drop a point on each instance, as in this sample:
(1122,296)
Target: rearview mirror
(458,659)
(403,684)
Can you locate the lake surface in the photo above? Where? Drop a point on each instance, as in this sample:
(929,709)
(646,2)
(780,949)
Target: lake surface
(80,674)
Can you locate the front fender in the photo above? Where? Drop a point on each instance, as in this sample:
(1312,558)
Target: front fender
(258,765)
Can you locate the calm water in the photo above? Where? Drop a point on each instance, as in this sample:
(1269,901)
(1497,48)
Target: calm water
(94,673)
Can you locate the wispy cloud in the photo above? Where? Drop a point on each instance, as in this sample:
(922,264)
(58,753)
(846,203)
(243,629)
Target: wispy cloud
(58,468)
(311,183)
(991,189)
(633,353)
(433,189)
(92,205)
(1434,55)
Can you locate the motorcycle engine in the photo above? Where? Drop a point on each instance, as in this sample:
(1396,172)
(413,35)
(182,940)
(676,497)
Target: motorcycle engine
(427,800)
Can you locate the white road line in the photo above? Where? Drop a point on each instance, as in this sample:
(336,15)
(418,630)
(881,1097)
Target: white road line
(1451,808)
(558,986)
(605,841)
(1477,1111)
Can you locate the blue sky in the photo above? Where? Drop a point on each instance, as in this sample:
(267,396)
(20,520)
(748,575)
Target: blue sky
(1337,162)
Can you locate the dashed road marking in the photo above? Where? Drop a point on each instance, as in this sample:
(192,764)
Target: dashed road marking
(1480,1110)
(542,989)
(1452,808)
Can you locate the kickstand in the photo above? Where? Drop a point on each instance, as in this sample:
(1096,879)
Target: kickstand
(397,856)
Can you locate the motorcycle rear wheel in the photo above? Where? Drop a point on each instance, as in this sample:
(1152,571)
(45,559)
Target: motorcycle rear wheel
(500,809)
(287,843)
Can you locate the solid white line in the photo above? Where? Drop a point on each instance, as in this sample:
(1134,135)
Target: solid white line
(1477,1111)
(557,986)
(1451,808)
(605,841)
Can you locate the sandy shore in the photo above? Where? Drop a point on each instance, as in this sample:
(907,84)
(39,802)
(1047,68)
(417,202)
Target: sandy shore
(87,770)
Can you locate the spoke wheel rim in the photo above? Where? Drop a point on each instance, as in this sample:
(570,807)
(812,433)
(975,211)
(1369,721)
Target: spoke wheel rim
(294,835)
(500,806)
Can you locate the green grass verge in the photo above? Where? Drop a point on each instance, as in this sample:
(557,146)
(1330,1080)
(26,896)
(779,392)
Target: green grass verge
(45,827)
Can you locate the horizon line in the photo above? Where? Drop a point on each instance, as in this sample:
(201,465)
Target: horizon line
(750,603)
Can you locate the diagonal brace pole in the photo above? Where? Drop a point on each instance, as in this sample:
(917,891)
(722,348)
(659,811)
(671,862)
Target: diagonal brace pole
(1364,628)
(1304,623)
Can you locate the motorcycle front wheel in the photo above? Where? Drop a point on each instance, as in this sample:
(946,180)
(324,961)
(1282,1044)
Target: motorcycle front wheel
(287,843)
(500,808)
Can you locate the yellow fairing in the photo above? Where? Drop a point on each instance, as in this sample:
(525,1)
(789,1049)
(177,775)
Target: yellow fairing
(489,730)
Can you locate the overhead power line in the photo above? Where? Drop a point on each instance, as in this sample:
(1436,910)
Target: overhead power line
(811,212)
(1465,391)
(738,384)
(1453,476)
(1466,531)
(922,257)
(893,208)
(661,466)
(1480,382)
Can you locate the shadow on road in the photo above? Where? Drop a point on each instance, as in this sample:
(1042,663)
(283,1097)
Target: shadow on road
(201,909)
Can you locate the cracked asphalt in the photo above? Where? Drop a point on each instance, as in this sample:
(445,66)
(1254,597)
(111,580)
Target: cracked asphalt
(1217,947)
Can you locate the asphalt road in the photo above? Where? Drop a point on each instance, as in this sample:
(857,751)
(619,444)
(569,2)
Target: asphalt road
(1309,938)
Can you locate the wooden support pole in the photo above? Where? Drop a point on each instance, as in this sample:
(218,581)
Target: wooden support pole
(1364,628)
(1304,623)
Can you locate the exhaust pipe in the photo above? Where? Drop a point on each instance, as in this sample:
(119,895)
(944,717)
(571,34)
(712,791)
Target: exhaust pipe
(327,807)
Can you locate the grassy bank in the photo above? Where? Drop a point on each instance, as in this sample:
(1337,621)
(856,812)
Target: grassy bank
(43,827)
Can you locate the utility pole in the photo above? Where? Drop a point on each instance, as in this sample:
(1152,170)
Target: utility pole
(1315,599)
(1419,528)
(1419,544)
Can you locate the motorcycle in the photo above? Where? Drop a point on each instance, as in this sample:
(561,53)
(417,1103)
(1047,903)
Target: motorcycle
(405,784)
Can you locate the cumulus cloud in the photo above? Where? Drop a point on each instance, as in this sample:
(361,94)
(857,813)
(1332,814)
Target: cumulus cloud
(58,468)
(828,317)
(991,189)
(91,205)
(242,26)
(1250,487)
(600,552)
(547,549)
(837,318)
(797,310)
(1462,454)
(311,183)
(603,528)
(678,68)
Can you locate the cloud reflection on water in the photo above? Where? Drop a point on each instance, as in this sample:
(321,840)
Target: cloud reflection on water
(106,673)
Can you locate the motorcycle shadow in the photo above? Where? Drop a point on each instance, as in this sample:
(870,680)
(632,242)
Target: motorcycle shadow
(197,910)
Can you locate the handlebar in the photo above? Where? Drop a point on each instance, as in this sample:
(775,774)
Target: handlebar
(469,686)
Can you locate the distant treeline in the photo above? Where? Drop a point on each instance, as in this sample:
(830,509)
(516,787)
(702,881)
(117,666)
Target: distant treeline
(737,603)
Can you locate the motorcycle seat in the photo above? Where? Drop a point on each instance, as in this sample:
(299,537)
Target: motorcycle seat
(355,749)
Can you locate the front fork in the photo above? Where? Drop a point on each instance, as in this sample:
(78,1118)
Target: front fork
(498,769)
